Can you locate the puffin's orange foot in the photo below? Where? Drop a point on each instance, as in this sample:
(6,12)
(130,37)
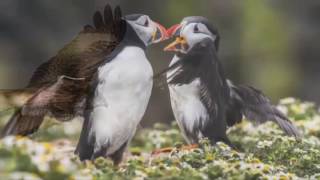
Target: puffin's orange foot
(170,149)
(190,147)
(162,150)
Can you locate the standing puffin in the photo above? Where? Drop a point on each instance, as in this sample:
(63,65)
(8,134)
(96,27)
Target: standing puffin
(204,102)
(120,92)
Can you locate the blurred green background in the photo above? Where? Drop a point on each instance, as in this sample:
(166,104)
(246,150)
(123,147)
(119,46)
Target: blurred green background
(272,45)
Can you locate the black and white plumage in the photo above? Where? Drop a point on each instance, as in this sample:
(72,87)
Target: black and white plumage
(120,92)
(199,95)
(204,102)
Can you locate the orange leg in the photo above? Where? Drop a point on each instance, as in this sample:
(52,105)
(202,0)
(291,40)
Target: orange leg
(162,150)
(190,147)
(170,149)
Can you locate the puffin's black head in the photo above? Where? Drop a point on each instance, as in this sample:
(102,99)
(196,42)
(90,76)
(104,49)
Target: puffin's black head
(191,31)
(147,30)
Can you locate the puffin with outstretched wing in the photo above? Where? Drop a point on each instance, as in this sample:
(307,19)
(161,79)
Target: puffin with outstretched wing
(120,91)
(102,75)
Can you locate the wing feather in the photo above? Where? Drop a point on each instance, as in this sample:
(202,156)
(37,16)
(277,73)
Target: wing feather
(98,20)
(59,92)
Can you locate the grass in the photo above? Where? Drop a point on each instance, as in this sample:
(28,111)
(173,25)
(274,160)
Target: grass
(264,153)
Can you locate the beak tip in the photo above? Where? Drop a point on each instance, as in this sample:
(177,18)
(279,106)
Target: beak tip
(163,31)
(172,30)
(165,35)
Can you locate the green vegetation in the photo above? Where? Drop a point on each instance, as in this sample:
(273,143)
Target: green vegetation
(263,153)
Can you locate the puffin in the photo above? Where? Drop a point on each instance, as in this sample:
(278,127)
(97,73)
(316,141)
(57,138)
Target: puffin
(120,92)
(60,87)
(204,102)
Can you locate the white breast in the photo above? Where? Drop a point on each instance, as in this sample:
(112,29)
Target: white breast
(186,104)
(121,98)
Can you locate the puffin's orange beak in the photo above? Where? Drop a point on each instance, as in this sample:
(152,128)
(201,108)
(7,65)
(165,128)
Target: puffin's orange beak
(160,34)
(180,44)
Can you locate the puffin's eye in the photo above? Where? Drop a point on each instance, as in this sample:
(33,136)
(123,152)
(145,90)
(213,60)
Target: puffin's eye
(146,23)
(143,21)
(196,29)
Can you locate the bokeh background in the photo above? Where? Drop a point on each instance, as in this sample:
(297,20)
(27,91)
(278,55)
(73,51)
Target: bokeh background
(270,44)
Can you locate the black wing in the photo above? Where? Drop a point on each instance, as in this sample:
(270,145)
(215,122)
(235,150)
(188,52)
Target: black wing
(255,106)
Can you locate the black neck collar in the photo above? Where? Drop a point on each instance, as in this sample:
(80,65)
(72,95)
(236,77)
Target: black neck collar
(132,39)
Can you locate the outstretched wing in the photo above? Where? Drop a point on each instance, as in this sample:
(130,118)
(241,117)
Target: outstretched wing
(60,85)
(255,106)
(87,49)
(46,101)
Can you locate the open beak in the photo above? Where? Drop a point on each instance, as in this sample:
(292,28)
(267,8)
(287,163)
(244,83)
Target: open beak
(160,34)
(180,44)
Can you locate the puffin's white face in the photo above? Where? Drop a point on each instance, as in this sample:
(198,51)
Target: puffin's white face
(148,31)
(187,35)
(194,33)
